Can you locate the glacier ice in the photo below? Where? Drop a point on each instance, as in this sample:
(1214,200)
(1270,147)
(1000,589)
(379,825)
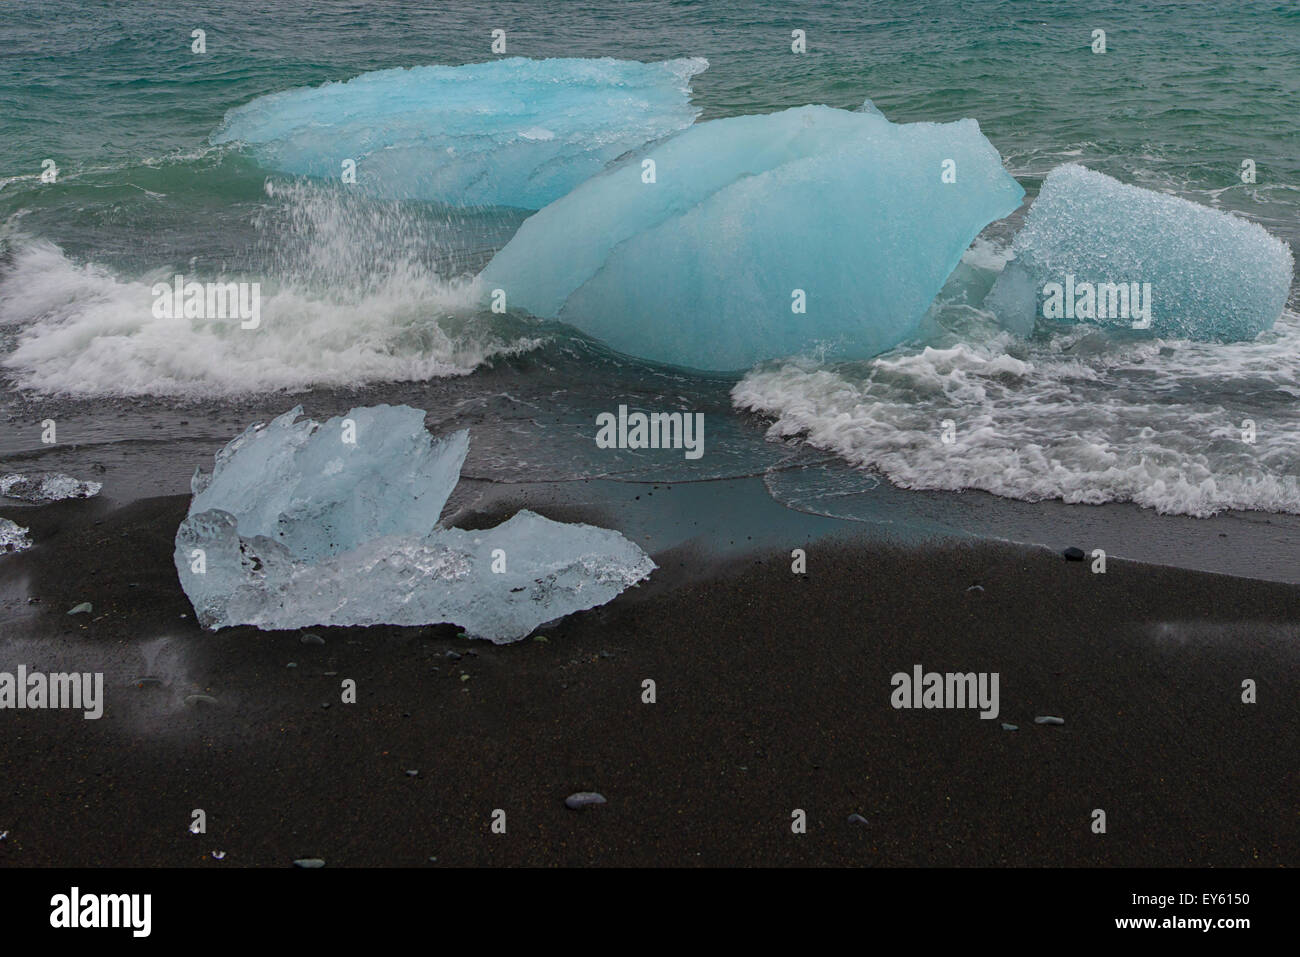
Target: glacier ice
(511,132)
(13,537)
(700,266)
(1212,276)
(54,487)
(303,524)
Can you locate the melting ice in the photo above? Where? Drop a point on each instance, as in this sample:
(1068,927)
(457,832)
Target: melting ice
(13,537)
(54,487)
(1211,276)
(756,237)
(302,523)
(512,132)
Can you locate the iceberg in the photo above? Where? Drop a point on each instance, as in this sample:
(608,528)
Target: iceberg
(1210,275)
(704,263)
(511,132)
(40,489)
(303,524)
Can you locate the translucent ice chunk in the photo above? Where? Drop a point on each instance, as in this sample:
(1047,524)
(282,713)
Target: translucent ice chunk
(54,487)
(1211,276)
(756,237)
(511,132)
(13,537)
(305,524)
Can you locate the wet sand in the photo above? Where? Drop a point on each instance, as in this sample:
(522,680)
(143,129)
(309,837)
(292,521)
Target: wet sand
(773,694)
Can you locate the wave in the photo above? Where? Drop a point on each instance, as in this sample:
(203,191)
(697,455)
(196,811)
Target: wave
(81,330)
(1083,415)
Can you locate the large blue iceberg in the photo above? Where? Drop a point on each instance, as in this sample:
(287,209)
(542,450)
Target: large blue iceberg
(1092,249)
(304,524)
(856,219)
(511,132)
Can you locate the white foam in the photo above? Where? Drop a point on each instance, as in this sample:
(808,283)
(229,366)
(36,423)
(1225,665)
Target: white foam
(1078,417)
(82,330)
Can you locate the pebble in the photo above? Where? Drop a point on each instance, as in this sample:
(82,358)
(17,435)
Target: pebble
(1073,554)
(310,639)
(412,774)
(583,799)
(309,862)
(1048,719)
(194,700)
(147,681)
(976,589)
(85,608)
(454,655)
(1010,727)
(218,855)
(858,819)
(292,664)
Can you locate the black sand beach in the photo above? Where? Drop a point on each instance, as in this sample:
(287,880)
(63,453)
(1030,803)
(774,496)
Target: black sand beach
(773,694)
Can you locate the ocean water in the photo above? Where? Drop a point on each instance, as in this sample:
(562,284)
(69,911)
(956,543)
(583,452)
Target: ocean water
(369,298)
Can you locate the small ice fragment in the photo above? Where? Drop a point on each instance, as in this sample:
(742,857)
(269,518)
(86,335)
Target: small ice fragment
(54,487)
(583,799)
(194,700)
(85,608)
(13,537)
(309,863)
(1048,719)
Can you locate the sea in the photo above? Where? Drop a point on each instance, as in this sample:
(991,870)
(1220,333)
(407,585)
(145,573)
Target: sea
(1076,435)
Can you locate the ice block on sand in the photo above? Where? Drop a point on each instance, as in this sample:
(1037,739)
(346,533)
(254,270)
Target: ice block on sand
(1209,275)
(304,524)
(756,237)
